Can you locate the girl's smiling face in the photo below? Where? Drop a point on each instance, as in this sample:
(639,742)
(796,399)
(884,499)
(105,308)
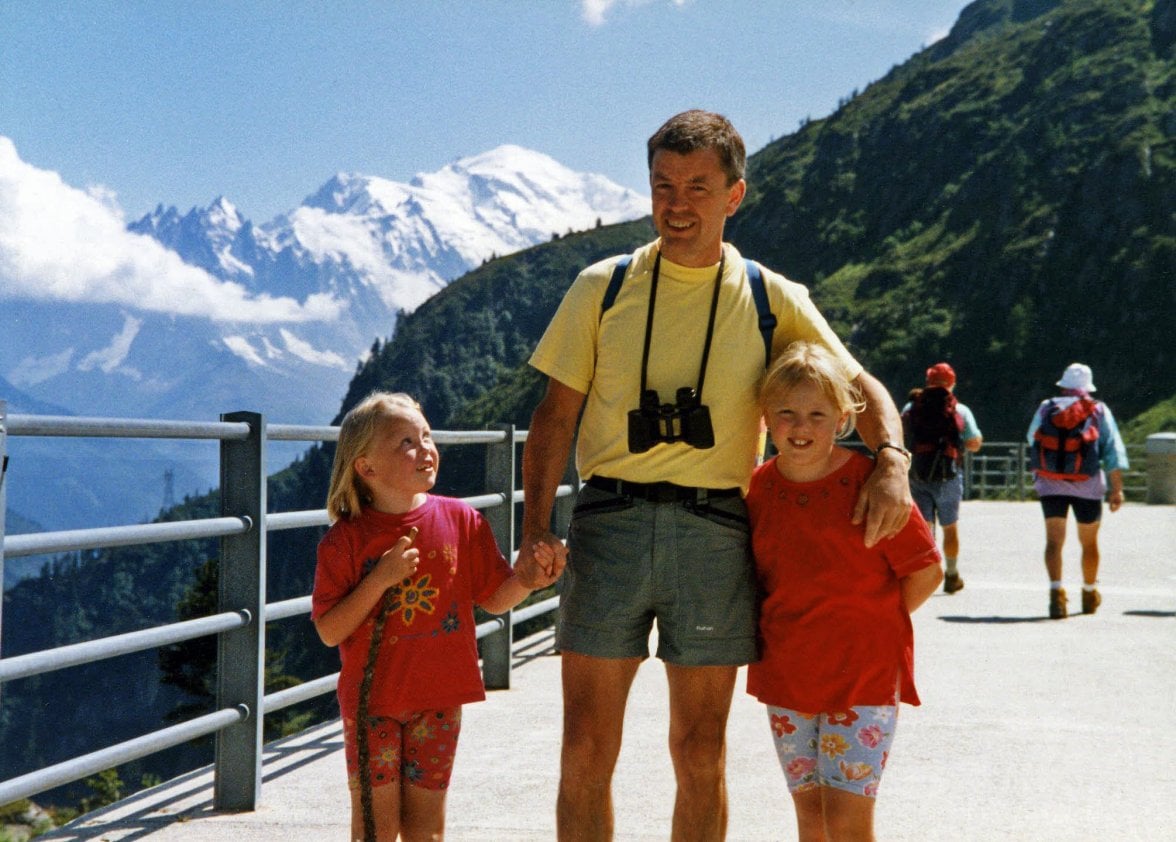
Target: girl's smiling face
(804,423)
(400,465)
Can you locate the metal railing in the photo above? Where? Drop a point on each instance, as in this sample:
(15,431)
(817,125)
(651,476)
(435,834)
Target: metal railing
(242,613)
(1000,471)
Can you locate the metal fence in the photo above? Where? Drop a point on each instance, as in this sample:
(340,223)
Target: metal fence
(1000,471)
(242,613)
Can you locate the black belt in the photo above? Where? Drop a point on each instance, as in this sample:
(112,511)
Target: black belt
(660,492)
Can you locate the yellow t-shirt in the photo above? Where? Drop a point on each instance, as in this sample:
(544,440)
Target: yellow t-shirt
(601,358)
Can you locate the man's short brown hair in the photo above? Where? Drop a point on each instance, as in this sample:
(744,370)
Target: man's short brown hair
(693,130)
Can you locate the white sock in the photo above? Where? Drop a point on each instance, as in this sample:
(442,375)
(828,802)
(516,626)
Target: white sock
(951,566)
(1089,588)
(1055,585)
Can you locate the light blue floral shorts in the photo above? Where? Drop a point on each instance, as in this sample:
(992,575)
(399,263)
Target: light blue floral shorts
(845,750)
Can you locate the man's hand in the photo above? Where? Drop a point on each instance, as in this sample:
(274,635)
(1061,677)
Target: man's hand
(541,562)
(885,499)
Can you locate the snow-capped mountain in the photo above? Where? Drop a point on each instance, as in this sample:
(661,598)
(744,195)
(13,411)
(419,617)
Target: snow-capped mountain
(362,246)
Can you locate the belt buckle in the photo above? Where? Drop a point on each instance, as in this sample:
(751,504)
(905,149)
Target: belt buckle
(661,492)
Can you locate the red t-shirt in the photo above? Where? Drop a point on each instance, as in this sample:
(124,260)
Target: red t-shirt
(834,632)
(429,653)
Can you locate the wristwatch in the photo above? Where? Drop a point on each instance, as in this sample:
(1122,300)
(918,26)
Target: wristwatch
(893,446)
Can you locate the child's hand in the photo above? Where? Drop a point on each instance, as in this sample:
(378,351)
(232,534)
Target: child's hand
(400,562)
(543,566)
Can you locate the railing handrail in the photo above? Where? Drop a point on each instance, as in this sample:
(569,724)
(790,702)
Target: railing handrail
(237,429)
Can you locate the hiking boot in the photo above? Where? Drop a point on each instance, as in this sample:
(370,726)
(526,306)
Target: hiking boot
(1057,604)
(952,583)
(1091,600)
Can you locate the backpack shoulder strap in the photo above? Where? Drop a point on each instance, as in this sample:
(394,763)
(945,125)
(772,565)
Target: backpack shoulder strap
(767,319)
(755,277)
(614,283)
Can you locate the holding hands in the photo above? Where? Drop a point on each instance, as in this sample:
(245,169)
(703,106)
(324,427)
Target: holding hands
(543,565)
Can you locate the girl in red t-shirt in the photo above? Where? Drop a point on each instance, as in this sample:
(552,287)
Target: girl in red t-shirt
(837,647)
(406,568)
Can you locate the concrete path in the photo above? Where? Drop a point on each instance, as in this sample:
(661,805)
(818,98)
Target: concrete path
(1031,729)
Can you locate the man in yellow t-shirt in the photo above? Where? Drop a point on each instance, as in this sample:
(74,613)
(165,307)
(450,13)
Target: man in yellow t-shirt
(666,380)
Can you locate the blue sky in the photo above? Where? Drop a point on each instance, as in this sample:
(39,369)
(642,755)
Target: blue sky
(161,101)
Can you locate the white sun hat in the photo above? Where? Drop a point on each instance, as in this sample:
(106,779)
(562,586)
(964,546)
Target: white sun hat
(1078,376)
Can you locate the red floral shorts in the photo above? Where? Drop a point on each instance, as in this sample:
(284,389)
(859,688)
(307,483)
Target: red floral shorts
(417,747)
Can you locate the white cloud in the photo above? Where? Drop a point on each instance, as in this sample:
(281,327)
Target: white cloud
(241,346)
(307,352)
(110,358)
(594,12)
(33,370)
(58,243)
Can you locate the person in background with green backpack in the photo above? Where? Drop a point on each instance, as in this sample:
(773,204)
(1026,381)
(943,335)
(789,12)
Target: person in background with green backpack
(1075,447)
(938,429)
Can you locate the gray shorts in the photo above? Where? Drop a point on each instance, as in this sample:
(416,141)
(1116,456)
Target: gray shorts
(684,564)
(938,498)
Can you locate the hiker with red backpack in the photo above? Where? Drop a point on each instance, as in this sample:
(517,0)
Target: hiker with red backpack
(1075,447)
(938,429)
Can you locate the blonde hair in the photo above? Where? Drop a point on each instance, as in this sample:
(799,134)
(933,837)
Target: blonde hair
(347,493)
(808,362)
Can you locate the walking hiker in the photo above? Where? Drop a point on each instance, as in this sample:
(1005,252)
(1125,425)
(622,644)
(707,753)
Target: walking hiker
(938,430)
(403,616)
(662,353)
(835,625)
(1075,448)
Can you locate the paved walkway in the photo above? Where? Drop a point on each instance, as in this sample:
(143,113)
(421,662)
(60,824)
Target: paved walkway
(1031,729)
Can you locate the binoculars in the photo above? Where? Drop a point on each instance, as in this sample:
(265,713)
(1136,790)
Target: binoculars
(686,420)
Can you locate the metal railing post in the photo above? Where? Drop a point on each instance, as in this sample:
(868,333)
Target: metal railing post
(241,653)
(500,478)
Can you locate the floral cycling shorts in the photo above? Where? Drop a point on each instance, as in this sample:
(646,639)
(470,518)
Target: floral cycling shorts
(846,751)
(417,746)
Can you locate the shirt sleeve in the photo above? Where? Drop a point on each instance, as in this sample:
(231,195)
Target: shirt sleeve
(971,430)
(913,548)
(567,350)
(488,568)
(1112,453)
(334,573)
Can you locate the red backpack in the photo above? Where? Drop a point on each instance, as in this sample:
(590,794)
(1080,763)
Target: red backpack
(1065,446)
(935,430)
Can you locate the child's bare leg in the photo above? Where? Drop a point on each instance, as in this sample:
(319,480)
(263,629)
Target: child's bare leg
(385,811)
(422,813)
(848,817)
(810,815)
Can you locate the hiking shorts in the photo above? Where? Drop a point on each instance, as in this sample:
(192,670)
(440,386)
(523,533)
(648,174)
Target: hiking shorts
(939,498)
(846,751)
(685,565)
(417,747)
(1085,511)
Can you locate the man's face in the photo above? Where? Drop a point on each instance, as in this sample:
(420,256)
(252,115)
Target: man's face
(691,203)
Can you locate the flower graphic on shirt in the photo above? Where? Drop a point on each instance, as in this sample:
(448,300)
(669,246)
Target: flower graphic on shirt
(833,745)
(413,598)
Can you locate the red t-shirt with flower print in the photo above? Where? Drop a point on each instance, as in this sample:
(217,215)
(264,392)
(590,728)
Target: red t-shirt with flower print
(834,632)
(429,653)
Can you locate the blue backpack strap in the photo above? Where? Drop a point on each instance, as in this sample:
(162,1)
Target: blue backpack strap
(614,284)
(767,319)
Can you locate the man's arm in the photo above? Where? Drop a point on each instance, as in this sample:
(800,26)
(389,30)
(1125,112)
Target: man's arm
(545,456)
(885,499)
